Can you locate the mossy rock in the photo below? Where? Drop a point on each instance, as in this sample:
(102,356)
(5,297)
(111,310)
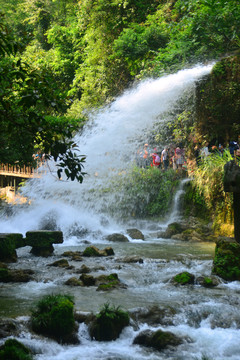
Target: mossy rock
(135,234)
(116,237)
(54,317)
(4,275)
(208,281)
(87,280)
(73,282)
(93,251)
(226,263)
(184,278)
(11,275)
(8,245)
(108,323)
(43,238)
(159,339)
(60,263)
(172,229)
(74,255)
(14,350)
(108,282)
(42,251)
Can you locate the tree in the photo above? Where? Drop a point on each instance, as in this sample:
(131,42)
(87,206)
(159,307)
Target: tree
(28,98)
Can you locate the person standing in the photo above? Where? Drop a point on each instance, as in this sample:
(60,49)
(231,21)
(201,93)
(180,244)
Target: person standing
(156,159)
(146,156)
(164,158)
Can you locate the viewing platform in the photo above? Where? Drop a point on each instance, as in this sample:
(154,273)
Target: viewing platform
(12,175)
(25,172)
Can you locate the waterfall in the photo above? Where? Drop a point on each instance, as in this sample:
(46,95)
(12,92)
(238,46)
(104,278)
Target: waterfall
(110,141)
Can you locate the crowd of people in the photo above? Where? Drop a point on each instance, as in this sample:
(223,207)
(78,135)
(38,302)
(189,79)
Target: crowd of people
(163,159)
(174,157)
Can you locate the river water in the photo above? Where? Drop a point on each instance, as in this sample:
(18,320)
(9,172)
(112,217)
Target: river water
(209,319)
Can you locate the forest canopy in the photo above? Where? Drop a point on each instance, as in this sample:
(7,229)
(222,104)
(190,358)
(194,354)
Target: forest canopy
(60,58)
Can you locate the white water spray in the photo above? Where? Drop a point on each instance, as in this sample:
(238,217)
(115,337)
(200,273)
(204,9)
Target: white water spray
(110,142)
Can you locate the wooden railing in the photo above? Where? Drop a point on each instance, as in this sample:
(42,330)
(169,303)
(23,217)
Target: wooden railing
(22,171)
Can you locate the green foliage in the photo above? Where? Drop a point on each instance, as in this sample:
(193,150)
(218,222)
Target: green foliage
(14,350)
(138,43)
(184,278)
(54,316)
(218,100)
(194,203)
(208,180)
(226,260)
(109,323)
(143,192)
(26,96)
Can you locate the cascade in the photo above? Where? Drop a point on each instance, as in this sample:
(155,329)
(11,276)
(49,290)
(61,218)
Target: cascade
(110,141)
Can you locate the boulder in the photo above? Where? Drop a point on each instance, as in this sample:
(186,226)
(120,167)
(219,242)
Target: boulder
(226,263)
(208,281)
(13,349)
(87,280)
(108,323)
(154,315)
(8,244)
(60,263)
(92,251)
(9,275)
(42,241)
(117,238)
(172,229)
(8,327)
(73,281)
(183,278)
(135,234)
(108,282)
(131,259)
(54,317)
(84,269)
(158,340)
(74,255)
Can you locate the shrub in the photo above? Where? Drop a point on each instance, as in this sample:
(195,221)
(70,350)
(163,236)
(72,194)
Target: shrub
(14,350)
(54,316)
(108,323)
(142,192)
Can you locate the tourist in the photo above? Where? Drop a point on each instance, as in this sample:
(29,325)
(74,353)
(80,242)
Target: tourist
(164,158)
(146,155)
(179,155)
(156,159)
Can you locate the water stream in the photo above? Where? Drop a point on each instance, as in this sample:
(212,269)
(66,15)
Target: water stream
(208,318)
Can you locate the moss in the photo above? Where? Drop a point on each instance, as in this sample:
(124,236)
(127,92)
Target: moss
(207,282)
(184,278)
(54,316)
(4,274)
(14,350)
(162,339)
(226,262)
(43,238)
(109,323)
(91,251)
(8,245)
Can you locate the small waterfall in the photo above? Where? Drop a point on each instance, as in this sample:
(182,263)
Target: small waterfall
(175,215)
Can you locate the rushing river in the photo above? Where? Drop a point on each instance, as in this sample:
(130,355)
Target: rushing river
(208,318)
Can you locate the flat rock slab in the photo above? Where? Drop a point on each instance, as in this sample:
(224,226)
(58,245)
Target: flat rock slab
(43,238)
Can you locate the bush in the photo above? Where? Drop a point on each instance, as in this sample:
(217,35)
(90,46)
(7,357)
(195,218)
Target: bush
(109,323)
(143,192)
(54,316)
(14,350)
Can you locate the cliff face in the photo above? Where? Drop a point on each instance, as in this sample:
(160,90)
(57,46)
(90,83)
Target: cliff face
(218,101)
